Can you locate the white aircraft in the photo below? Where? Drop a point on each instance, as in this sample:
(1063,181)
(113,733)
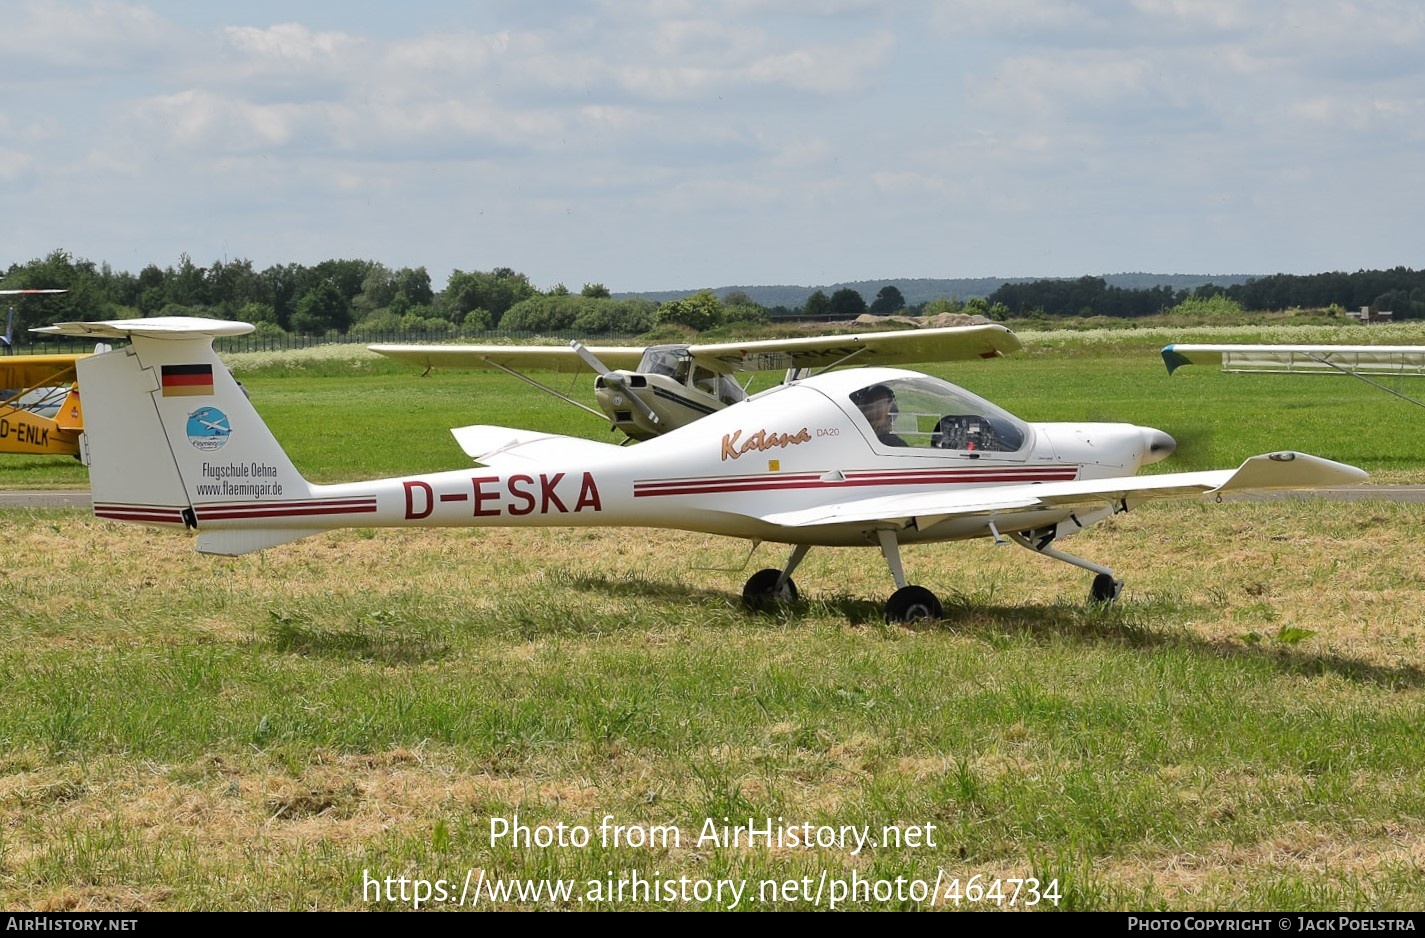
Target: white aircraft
(1358,361)
(868,456)
(646,392)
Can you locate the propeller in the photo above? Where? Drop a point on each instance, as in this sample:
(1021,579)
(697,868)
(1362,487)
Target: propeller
(614,380)
(590,358)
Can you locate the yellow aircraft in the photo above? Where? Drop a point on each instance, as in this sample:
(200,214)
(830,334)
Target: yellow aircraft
(39,400)
(39,405)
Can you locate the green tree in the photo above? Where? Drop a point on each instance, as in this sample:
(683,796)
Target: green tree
(542,314)
(231,285)
(494,292)
(818,304)
(1217,306)
(941,304)
(346,275)
(186,286)
(378,289)
(702,310)
(846,303)
(321,309)
(413,283)
(738,306)
(595,291)
(888,301)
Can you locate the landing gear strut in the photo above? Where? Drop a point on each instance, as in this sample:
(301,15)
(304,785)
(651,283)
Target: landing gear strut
(1106,586)
(767,589)
(907,603)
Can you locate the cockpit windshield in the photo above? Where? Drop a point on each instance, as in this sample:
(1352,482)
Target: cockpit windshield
(676,362)
(926,413)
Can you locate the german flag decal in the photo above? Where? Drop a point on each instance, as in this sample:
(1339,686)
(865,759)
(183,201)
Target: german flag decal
(187,380)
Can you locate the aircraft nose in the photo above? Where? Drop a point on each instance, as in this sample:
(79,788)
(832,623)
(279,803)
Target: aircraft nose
(1157,445)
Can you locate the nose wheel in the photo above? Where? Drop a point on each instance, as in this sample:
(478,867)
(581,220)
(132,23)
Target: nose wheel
(1105,588)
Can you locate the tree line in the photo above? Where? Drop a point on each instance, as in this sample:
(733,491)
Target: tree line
(1400,290)
(364,296)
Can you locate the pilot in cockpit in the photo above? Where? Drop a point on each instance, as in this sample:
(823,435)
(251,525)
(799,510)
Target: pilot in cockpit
(878,406)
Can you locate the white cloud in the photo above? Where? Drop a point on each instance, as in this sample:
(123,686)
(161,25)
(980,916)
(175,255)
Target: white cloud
(779,137)
(98,36)
(288,44)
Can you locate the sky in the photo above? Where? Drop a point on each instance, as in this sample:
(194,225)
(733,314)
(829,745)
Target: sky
(672,144)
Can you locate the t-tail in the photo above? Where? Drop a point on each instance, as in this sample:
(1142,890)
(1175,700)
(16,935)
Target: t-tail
(172,440)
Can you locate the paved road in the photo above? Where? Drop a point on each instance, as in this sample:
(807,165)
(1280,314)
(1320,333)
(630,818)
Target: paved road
(53,498)
(78,498)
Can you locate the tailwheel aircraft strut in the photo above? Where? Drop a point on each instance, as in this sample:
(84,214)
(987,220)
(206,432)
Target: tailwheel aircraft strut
(1105,587)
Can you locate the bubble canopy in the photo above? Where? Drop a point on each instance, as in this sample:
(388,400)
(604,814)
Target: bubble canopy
(919,412)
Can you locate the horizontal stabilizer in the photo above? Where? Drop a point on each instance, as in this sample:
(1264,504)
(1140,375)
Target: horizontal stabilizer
(156,327)
(497,446)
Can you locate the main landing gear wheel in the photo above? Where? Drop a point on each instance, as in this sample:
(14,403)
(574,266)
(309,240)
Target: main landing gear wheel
(1105,588)
(913,604)
(761,593)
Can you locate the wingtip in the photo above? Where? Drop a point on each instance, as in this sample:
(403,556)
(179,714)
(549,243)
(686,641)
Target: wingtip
(1173,359)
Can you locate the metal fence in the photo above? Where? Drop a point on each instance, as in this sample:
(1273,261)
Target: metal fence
(281,342)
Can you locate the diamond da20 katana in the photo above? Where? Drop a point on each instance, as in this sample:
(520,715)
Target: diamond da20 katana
(876,457)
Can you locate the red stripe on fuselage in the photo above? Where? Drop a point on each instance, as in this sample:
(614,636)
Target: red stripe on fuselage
(772,482)
(291,509)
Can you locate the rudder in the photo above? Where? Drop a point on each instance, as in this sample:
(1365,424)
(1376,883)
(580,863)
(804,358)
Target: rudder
(173,440)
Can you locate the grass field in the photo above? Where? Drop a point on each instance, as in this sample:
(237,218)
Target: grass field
(1240,731)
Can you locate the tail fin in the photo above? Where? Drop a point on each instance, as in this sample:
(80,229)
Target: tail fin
(172,439)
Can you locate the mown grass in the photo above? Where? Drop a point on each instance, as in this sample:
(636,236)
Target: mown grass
(1240,731)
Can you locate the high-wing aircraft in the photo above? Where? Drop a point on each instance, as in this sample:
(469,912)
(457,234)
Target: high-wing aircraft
(646,392)
(1358,361)
(39,404)
(874,456)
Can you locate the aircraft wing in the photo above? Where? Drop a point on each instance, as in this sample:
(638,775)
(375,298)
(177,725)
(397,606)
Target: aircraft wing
(905,346)
(20,372)
(1268,472)
(1302,359)
(514,357)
